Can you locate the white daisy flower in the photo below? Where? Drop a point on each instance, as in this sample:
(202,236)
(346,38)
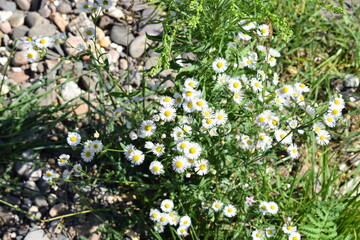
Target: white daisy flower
(248,62)
(86,6)
(293,151)
(117,112)
(220,65)
(128,150)
(289,228)
(243,36)
(178,100)
(263,30)
(159,228)
(89,32)
(193,150)
(273,208)
(63,159)
(43,42)
(182,230)
(186,128)
(323,137)
(337,102)
(136,157)
(156,168)
(133,135)
(173,218)
(167,101)
(167,205)
(310,110)
(147,128)
(105,4)
(190,93)
(286,91)
(294,236)
(200,104)
(49,174)
(238,97)
(282,136)
(261,48)
(167,114)
(274,122)
(154,214)
(208,122)
(96,146)
(256,85)
(262,119)
(77,168)
(258,235)
(271,60)
(189,106)
(191,83)
(270,231)
(32,56)
(329,120)
(276,79)
(220,117)
(229,211)
(318,126)
(217,206)
(163,219)
(301,87)
(234,85)
(178,134)
(87,154)
(73,139)
(185,221)
(263,207)
(207,112)
(223,78)
(247,25)
(179,164)
(181,146)
(201,167)
(335,111)
(158,149)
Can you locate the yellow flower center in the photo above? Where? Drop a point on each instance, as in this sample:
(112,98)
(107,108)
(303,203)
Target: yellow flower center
(206,113)
(272,207)
(136,158)
(274,122)
(89,32)
(183,145)
(249,62)
(322,137)
(335,111)
(96,146)
(167,205)
(155,215)
(62,160)
(294,150)
(106,3)
(289,228)
(156,168)
(337,102)
(261,119)
(209,121)
(86,6)
(179,164)
(295,238)
(167,113)
(188,93)
(301,98)
(186,222)
(192,150)
(30,55)
(219,64)
(262,138)
(257,84)
(158,149)
(42,41)
(217,205)
(258,234)
(202,167)
(329,119)
(182,230)
(236,84)
(88,154)
(191,84)
(148,128)
(263,207)
(263,30)
(302,85)
(230,210)
(48,174)
(272,59)
(220,117)
(285,90)
(73,139)
(200,103)
(167,99)
(190,105)
(29,39)
(163,219)
(282,135)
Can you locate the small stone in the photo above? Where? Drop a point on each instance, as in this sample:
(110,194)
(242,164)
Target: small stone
(36,233)
(43,185)
(12,200)
(152,29)
(105,22)
(40,67)
(124,64)
(19,59)
(17,19)
(19,32)
(87,83)
(64,8)
(57,209)
(114,56)
(78,67)
(74,45)
(138,46)
(351,81)
(5,27)
(104,42)
(49,98)
(33,209)
(5,15)
(34,18)
(18,77)
(41,202)
(46,29)
(34,175)
(51,63)
(31,188)
(59,21)
(152,61)
(70,90)
(23,4)
(45,11)
(115,13)
(121,35)
(7,5)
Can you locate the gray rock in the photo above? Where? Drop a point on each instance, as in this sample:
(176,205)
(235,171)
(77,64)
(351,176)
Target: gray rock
(121,35)
(46,29)
(78,67)
(19,58)
(41,67)
(43,186)
(66,68)
(5,214)
(31,188)
(22,168)
(44,11)
(115,13)
(20,32)
(79,23)
(5,27)
(41,202)
(152,61)
(5,15)
(57,209)
(113,56)
(64,8)
(87,83)
(138,46)
(36,233)
(70,90)
(34,175)
(23,4)
(49,98)
(152,29)
(17,19)
(7,5)
(105,22)
(34,18)
(12,200)
(124,65)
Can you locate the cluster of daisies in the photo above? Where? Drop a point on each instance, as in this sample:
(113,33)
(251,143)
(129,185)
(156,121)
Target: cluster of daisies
(228,210)
(169,217)
(91,147)
(35,47)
